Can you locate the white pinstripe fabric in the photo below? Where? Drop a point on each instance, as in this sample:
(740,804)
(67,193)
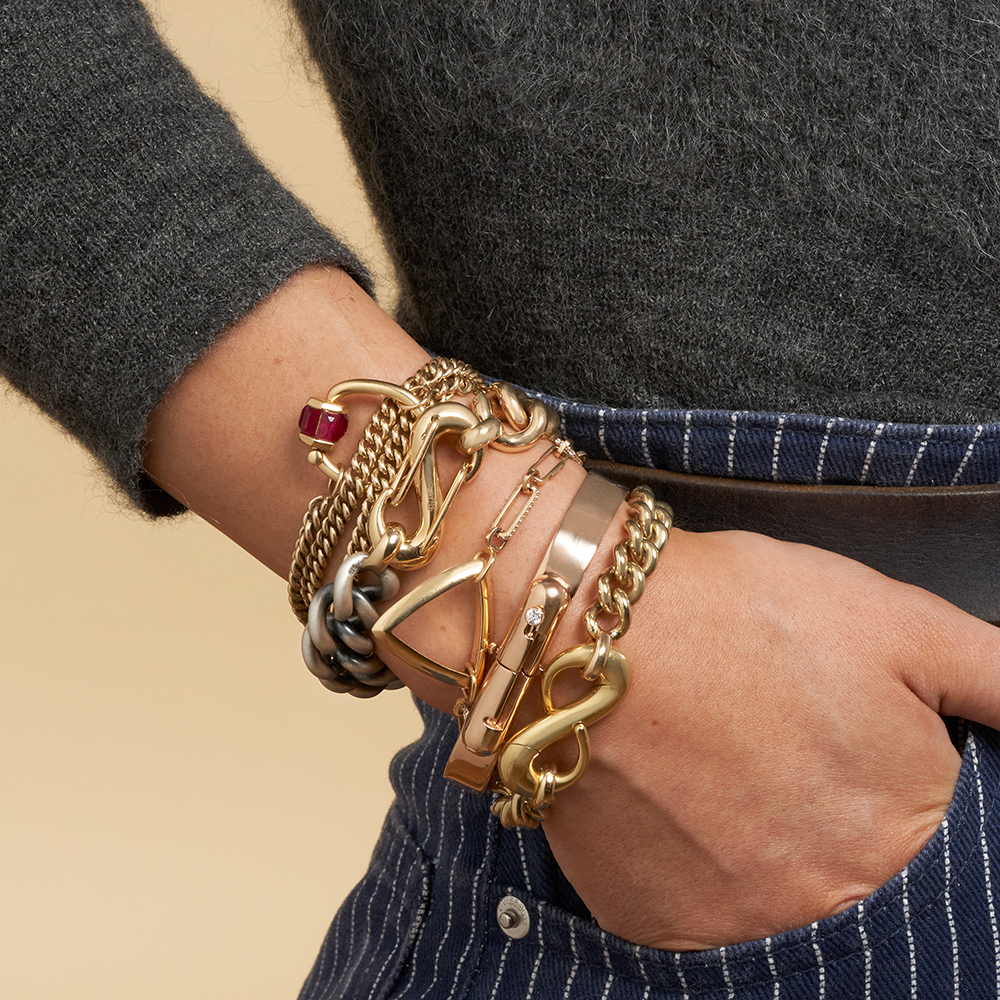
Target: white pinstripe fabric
(731,450)
(921,451)
(974,751)
(777,447)
(368,912)
(967,455)
(439,748)
(911,945)
(576,963)
(952,930)
(773,968)
(351,949)
(414,797)
(866,468)
(725,974)
(473,909)
(604,443)
(863,934)
(638,958)
(644,439)
(451,885)
(538,961)
(524,860)
(399,936)
(820,965)
(680,976)
(503,962)
(607,954)
(445,930)
(822,449)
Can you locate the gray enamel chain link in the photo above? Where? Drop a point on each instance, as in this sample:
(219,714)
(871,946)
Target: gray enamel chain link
(337,643)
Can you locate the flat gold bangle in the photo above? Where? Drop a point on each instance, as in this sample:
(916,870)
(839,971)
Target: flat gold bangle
(515,663)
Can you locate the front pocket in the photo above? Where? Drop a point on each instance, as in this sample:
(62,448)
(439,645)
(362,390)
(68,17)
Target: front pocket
(932,926)
(371,938)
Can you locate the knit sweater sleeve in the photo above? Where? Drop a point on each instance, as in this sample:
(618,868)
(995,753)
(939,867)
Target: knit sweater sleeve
(135,224)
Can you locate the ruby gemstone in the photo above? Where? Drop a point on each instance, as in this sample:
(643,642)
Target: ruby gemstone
(322,425)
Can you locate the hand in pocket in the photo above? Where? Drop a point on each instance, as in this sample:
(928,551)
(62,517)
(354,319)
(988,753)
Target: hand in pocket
(781,753)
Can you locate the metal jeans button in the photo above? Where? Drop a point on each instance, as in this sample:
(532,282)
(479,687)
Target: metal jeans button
(512,916)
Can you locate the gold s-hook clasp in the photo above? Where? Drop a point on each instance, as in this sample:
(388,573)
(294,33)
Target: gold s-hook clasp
(527,790)
(420,471)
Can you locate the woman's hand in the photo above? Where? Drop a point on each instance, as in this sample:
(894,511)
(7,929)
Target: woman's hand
(781,752)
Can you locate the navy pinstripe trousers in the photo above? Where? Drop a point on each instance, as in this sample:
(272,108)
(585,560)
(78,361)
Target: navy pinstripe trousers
(422,923)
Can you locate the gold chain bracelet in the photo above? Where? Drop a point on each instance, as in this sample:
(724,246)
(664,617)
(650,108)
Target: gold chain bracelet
(526,792)
(382,451)
(398,456)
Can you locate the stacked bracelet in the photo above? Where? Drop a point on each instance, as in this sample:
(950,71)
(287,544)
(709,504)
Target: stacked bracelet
(397,457)
(383,450)
(352,622)
(525,792)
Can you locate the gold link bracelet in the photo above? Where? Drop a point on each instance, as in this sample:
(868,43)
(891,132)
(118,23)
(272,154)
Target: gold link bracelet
(397,454)
(512,666)
(525,792)
(382,451)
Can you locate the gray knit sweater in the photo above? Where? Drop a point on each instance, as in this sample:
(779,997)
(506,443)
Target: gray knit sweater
(787,205)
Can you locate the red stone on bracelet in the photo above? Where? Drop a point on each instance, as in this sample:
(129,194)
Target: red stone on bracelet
(321,425)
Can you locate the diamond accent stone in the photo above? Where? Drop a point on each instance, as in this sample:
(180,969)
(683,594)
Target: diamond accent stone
(533,616)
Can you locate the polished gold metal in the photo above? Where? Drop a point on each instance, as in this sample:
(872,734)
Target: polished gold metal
(398,456)
(512,667)
(373,387)
(497,537)
(538,424)
(619,587)
(509,672)
(510,401)
(397,549)
(483,433)
(531,485)
(420,471)
(526,791)
(476,570)
(383,449)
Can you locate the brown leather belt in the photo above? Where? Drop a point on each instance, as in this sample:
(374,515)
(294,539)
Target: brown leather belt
(944,539)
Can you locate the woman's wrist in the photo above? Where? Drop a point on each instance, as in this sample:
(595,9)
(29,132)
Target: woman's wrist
(223,440)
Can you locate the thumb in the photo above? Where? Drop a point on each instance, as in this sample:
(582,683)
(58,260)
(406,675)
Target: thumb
(954,664)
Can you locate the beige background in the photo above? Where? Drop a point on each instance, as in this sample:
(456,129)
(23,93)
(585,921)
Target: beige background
(183,806)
